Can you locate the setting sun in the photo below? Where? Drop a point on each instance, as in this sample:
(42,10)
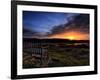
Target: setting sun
(70,37)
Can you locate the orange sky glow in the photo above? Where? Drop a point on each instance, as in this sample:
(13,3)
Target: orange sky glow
(72,35)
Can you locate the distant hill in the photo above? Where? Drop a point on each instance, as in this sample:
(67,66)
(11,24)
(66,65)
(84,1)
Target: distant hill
(55,40)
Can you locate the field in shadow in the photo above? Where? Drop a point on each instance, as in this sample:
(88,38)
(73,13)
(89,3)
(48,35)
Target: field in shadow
(38,53)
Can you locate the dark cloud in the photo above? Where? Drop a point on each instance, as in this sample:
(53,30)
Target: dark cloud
(79,23)
(27,33)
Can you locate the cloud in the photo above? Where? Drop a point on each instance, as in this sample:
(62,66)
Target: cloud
(77,24)
(80,23)
(27,33)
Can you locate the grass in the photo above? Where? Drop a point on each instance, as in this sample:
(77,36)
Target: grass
(59,57)
(70,58)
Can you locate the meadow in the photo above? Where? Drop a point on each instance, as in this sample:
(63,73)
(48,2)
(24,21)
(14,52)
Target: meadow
(57,55)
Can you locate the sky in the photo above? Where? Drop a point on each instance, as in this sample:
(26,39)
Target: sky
(55,25)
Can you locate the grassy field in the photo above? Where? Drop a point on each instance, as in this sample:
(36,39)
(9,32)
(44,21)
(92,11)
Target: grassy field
(68,57)
(58,55)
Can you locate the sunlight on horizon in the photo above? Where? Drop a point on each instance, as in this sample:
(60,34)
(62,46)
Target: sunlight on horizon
(72,35)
